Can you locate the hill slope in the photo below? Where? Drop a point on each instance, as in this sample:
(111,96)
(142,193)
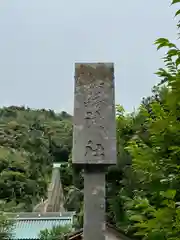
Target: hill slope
(30,140)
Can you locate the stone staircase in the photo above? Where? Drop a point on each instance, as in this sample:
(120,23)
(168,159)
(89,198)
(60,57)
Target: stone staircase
(55,201)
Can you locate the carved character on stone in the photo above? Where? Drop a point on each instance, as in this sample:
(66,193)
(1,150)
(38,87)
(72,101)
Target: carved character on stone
(93,118)
(96,104)
(95,94)
(95,150)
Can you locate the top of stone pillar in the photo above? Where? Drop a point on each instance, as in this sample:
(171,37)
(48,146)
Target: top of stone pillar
(86,73)
(94,138)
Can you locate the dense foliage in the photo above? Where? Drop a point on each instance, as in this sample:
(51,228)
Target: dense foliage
(56,233)
(30,140)
(144,196)
(5,227)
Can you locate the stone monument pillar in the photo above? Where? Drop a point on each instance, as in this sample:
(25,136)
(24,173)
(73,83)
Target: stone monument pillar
(94,139)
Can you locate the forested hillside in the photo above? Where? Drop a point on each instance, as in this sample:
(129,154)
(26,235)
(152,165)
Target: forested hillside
(30,140)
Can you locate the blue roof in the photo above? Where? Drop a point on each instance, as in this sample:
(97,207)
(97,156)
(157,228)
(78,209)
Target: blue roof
(29,228)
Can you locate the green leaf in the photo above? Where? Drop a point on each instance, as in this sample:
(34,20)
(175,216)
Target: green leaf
(162,45)
(175,149)
(172,52)
(136,218)
(175,1)
(177,13)
(177,62)
(164,42)
(161,40)
(171,45)
(170,194)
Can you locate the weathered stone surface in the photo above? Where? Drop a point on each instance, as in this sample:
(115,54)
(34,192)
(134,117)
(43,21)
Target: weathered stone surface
(94,206)
(94,139)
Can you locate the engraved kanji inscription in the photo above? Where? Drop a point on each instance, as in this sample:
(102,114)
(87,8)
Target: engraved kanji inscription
(94,114)
(94,104)
(93,118)
(95,150)
(95,95)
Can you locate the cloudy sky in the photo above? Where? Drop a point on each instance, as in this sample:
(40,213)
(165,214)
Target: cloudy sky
(41,40)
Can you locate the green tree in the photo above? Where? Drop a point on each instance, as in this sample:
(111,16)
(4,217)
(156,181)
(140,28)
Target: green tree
(6,226)
(26,154)
(145,198)
(56,233)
